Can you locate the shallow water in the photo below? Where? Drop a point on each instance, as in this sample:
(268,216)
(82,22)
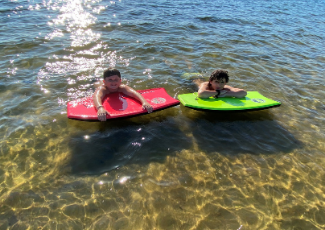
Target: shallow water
(173,169)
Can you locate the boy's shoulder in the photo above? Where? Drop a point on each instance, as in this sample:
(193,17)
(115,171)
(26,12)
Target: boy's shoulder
(204,84)
(123,87)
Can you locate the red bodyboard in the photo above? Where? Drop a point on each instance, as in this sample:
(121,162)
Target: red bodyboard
(120,105)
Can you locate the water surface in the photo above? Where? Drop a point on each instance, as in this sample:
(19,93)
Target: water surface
(173,169)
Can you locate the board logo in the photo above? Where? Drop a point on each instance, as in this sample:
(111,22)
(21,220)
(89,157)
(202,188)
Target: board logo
(158,100)
(257,100)
(123,104)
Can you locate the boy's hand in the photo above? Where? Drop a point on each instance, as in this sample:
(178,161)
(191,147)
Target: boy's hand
(101,113)
(223,93)
(147,106)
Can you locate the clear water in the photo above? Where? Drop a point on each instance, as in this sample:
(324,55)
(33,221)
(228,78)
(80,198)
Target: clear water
(173,169)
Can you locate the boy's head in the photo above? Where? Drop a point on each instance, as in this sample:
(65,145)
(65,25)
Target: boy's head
(111,72)
(218,79)
(112,79)
(219,74)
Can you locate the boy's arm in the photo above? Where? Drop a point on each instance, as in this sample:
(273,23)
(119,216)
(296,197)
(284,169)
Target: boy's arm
(234,92)
(132,93)
(205,92)
(227,91)
(97,99)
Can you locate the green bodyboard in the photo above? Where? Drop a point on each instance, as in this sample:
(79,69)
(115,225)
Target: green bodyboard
(253,101)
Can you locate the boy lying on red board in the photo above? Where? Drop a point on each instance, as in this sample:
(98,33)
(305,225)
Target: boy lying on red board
(113,83)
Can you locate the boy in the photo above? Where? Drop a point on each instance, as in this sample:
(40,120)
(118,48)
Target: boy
(216,86)
(112,83)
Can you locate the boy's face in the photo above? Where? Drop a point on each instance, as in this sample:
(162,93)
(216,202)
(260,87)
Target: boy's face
(218,83)
(112,82)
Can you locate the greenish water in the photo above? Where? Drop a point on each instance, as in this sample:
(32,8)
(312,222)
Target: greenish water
(173,169)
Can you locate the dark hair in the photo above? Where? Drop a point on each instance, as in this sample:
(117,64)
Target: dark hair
(219,74)
(111,72)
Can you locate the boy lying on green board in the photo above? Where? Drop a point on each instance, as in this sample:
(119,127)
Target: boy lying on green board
(216,86)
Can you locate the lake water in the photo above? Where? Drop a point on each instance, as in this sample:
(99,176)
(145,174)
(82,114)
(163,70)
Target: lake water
(174,169)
